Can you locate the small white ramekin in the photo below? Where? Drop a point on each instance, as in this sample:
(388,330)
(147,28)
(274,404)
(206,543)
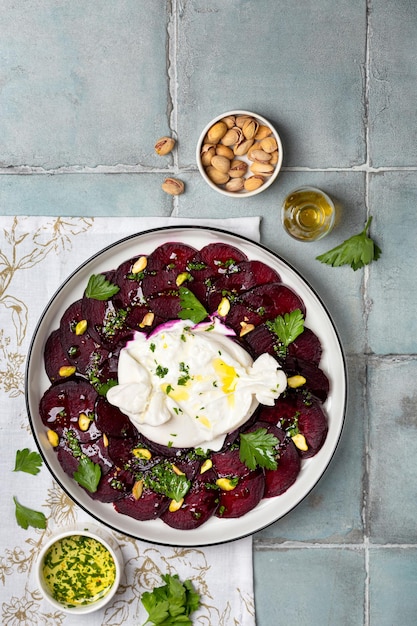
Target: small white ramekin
(87,530)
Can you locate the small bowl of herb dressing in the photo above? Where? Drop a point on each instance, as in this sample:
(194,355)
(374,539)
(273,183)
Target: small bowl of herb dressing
(79,570)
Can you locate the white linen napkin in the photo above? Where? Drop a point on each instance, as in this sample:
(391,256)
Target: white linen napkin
(36,255)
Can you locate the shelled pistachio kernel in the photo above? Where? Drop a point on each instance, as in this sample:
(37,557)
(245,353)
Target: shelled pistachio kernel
(164,145)
(173,186)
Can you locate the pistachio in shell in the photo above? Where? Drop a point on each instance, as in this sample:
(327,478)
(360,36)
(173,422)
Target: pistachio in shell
(221,163)
(216,132)
(269,144)
(173,186)
(216,176)
(254,182)
(238,168)
(234,184)
(164,145)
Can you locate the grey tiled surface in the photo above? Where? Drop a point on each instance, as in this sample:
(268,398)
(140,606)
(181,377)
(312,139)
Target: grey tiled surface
(86,88)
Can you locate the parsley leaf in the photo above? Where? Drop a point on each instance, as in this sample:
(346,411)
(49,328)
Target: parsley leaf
(191,307)
(356,251)
(171,603)
(257,448)
(88,474)
(26,517)
(287,327)
(27,461)
(99,288)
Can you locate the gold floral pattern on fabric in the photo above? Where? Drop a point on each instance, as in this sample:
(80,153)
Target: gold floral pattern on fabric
(36,255)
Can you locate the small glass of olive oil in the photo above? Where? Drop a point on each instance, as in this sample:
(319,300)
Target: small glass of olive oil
(308,214)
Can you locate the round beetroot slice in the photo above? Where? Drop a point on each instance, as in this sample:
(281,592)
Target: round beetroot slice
(316,383)
(263,303)
(166,305)
(129,283)
(306,346)
(228,464)
(172,255)
(221,255)
(113,486)
(54,356)
(242,276)
(112,421)
(199,504)
(244,497)
(261,340)
(312,423)
(63,402)
(289,464)
(149,506)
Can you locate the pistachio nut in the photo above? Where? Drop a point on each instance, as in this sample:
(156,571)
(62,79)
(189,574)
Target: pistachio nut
(274,157)
(241,119)
(173,186)
(229,120)
(260,156)
(254,182)
(242,147)
(207,153)
(238,168)
(234,184)
(265,169)
(164,145)
(232,136)
(250,128)
(269,144)
(221,163)
(225,151)
(216,132)
(262,132)
(216,176)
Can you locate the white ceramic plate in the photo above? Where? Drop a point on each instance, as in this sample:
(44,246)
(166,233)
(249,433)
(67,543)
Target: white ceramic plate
(214,530)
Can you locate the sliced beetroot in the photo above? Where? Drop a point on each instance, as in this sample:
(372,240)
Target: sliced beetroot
(70,451)
(306,346)
(242,276)
(312,423)
(174,255)
(220,256)
(62,404)
(227,463)
(120,449)
(263,303)
(166,305)
(111,420)
(149,506)
(130,284)
(288,462)
(244,497)
(97,451)
(112,487)
(199,504)
(106,323)
(301,412)
(261,340)
(54,356)
(316,383)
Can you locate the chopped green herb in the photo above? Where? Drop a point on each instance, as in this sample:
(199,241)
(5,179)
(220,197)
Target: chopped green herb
(162,479)
(26,517)
(356,251)
(161,372)
(258,449)
(27,461)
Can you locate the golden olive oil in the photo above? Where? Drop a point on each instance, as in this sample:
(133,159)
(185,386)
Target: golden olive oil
(78,570)
(308,214)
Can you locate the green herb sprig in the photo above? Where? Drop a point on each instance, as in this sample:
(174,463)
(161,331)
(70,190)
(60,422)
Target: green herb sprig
(26,517)
(357,251)
(191,307)
(171,604)
(27,461)
(258,449)
(99,288)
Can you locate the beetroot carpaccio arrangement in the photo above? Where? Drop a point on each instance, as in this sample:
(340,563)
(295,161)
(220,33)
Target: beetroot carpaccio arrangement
(206,425)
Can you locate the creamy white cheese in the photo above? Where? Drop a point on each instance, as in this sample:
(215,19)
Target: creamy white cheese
(189,385)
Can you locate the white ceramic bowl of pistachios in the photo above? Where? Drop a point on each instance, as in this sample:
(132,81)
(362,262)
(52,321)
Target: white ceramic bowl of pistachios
(239,154)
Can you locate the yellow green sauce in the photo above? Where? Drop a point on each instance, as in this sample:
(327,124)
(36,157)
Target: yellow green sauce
(78,570)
